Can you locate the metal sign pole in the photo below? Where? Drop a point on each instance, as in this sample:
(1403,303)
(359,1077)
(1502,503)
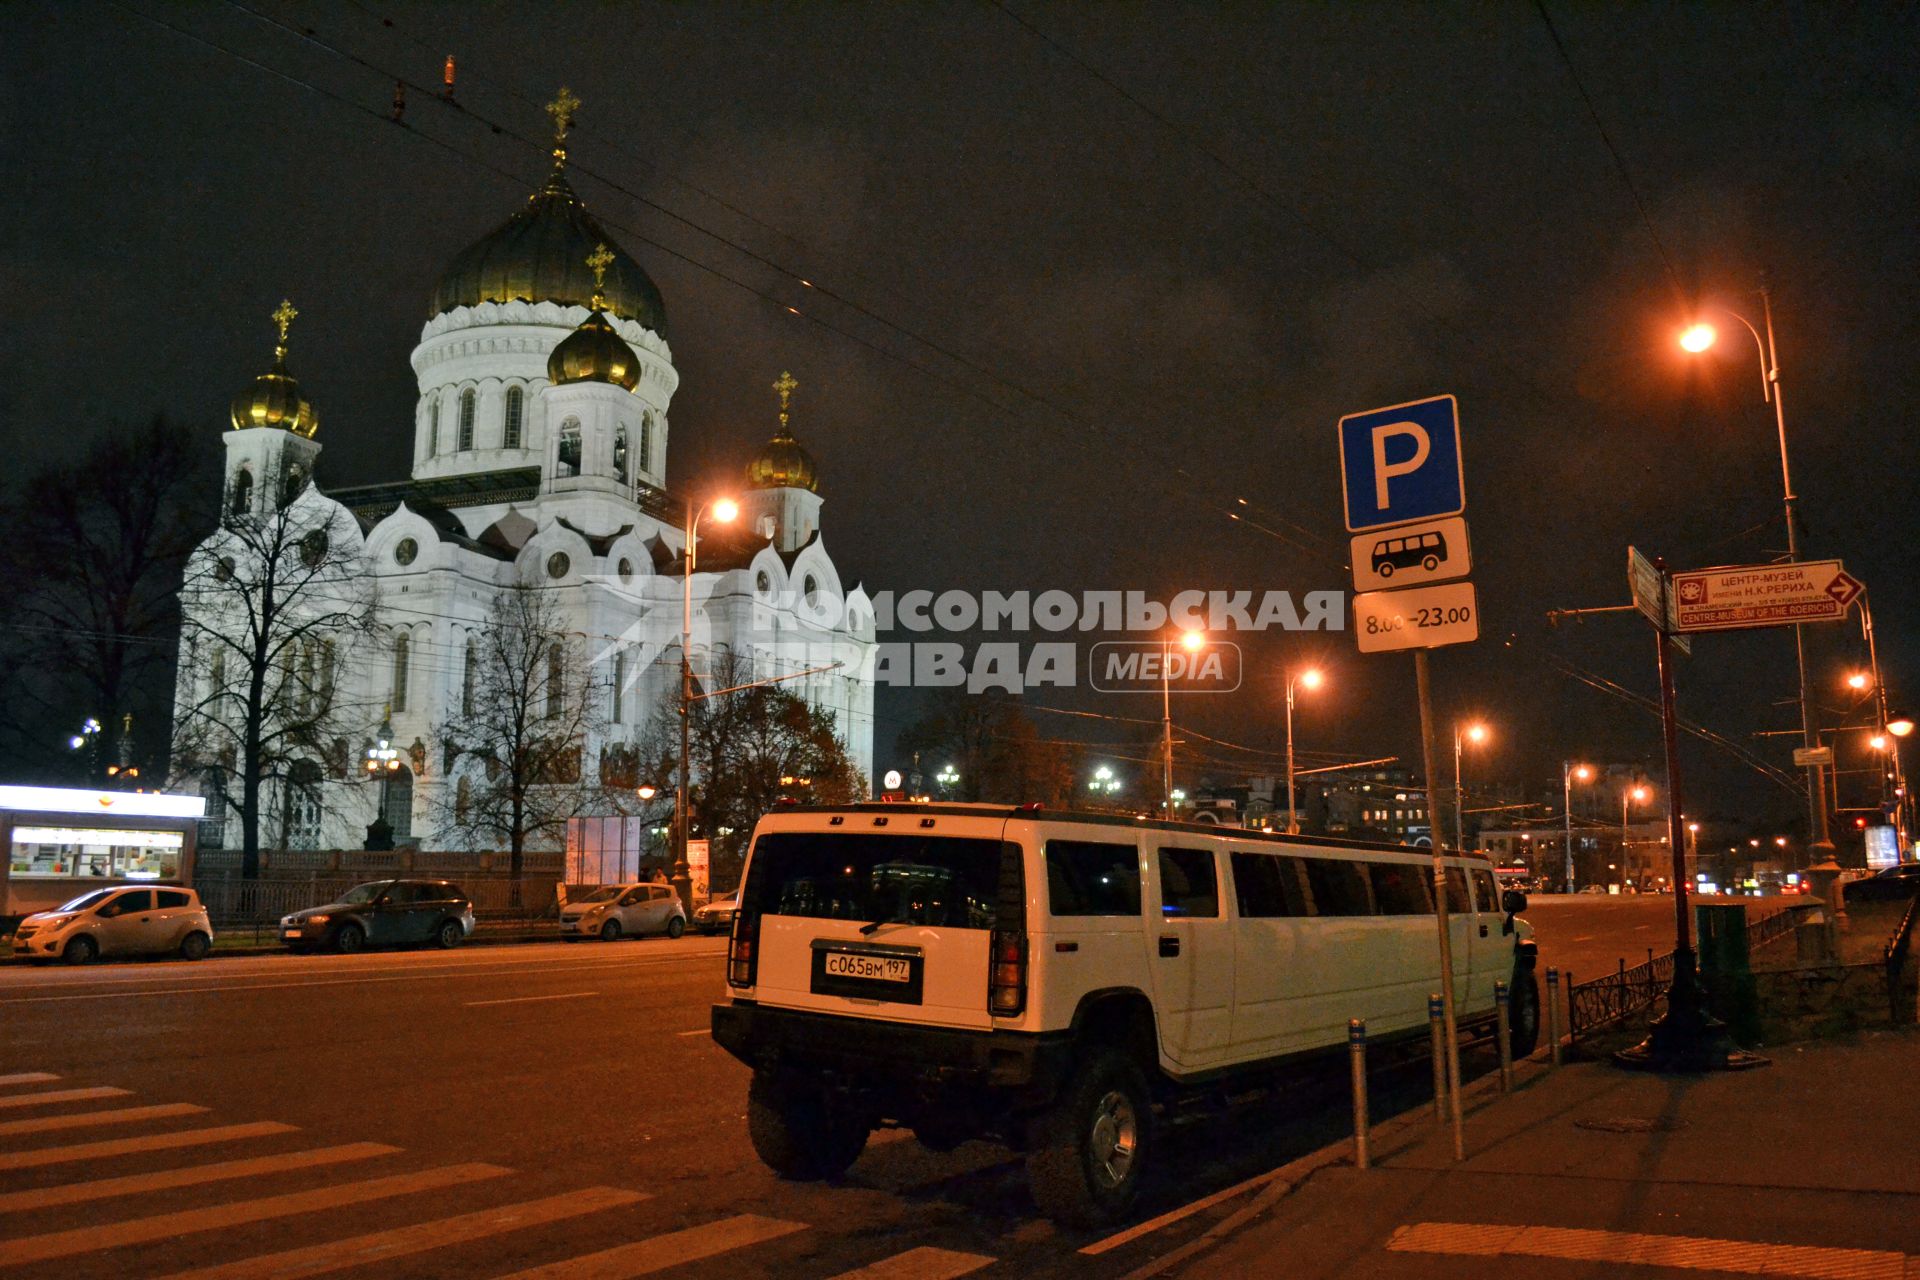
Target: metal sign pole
(1422,678)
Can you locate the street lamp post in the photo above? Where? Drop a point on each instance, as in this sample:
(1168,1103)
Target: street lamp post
(1629,795)
(1569,771)
(724,510)
(1475,733)
(1311,679)
(1697,339)
(1191,642)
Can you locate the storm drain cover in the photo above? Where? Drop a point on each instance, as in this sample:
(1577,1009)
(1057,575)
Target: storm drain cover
(1631,1124)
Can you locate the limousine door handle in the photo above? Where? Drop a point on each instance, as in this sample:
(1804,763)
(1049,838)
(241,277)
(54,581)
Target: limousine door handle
(1169,944)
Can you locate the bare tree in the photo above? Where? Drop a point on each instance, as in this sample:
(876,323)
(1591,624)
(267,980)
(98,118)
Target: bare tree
(271,607)
(520,736)
(91,568)
(995,748)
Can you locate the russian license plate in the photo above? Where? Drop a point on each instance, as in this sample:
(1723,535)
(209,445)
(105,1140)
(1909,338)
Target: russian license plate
(847,964)
(292,933)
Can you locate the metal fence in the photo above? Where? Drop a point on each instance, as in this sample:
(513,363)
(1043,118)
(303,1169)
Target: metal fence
(236,904)
(1604,1001)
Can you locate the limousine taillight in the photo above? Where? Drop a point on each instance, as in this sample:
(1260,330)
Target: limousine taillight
(741,951)
(1007,988)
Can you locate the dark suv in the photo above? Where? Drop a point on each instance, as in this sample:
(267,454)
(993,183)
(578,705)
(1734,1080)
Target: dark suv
(384,913)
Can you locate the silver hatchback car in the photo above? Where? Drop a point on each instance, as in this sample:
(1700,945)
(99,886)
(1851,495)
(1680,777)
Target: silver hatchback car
(616,911)
(123,920)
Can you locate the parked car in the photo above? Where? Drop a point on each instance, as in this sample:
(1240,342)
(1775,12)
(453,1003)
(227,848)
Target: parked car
(1891,884)
(716,915)
(615,911)
(124,920)
(383,913)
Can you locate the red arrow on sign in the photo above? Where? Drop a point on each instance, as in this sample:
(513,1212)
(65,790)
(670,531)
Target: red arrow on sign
(1845,587)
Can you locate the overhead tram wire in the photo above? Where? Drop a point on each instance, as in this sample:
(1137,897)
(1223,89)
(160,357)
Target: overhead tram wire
(1199,493)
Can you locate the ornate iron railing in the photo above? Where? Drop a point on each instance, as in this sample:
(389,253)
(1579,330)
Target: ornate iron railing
(1604,1001)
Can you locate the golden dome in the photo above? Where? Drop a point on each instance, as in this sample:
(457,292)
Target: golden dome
(781,462)
(537,254)
(595,352)
(274,400)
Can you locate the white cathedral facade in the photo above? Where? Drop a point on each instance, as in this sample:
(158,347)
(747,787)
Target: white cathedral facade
(540,445)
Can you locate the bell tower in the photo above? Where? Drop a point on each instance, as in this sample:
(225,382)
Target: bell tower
(271,449)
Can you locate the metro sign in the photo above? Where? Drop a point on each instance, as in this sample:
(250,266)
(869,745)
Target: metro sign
(1763,595)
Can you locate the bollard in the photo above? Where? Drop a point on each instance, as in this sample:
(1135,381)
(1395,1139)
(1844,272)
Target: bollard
(1553,1014)
(1437,1034)
(1357,1056)
(1502,1017)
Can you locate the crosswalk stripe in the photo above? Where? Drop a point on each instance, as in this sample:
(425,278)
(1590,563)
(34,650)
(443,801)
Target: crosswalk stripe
(90,1239)
(191,1176)
(1632,1247)
(920,1264)
(94,1119)
(28,1077)
(658,1253)
(130,1146)
(61,1095)
(355,1251)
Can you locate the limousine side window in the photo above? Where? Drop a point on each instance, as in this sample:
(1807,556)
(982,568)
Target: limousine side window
(1266,886)
(1187,884)
(1400,889)
(1339,887)
(1457,901)
(1092,878)
(1489,896)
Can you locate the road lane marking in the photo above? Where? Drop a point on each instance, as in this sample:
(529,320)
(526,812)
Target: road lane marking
(28,1077)
(420,1237)
(130,1146)
(92,1119)
(1172,1216)
(925,1263)
(191,1176)
(1694,1253)
(697,1031)
(429,975)
(658,1253)
(62,1095)
(112,1235)
(570,995)
(1585,937)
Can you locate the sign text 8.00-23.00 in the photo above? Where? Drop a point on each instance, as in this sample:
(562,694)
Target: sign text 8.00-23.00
(1421,618)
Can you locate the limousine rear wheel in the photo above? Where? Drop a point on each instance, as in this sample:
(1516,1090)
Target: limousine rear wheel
(800,1131)
(1086,1152)
(1523,1015)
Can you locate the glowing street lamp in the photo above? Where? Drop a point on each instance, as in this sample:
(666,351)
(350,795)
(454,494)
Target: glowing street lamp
(1476,733)
(723,511)
(1859,681)
(1192,641)
(1637,795)
(1571,773)
(1697,338)
(1309,679)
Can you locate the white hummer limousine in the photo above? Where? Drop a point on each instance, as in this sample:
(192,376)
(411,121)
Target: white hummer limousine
(1047,978)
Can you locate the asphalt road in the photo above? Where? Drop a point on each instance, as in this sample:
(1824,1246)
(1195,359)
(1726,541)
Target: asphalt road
(496,1109)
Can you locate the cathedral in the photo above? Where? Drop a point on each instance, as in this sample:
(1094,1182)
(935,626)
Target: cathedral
(539,457)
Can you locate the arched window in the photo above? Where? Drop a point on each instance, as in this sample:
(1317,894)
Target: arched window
(462,800)
(646,443)
(213,827)
(569,454)
(516,415)
(396,803)
(466,680)
(304,814)
(619,687)
(433,425)
(400,664)
(620,453)
(466,420)
(242,492)
(556,680)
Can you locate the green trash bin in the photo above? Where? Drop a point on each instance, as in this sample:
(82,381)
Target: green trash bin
(1725,971)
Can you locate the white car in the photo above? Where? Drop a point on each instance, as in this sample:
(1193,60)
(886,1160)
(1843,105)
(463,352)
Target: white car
(615,911)
(123,920)
(716,915)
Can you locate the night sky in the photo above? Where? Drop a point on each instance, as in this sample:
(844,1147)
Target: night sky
(1143,258)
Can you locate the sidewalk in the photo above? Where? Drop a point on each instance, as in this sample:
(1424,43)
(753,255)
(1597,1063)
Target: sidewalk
(1807,1167)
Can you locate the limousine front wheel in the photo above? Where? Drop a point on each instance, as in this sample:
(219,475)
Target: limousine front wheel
(1086,1152)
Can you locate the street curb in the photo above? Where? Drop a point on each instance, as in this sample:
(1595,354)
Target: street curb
(1284,1180)
(275,949)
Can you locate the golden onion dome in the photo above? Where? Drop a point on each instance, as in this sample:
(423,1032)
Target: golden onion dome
(273,399)
(781,462)
(595,352)
(536,255)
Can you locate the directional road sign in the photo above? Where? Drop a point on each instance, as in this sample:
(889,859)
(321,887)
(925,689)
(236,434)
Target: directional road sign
(1763,595)
(1410,554)
(1402,463)
(1416,618)
(1644,580)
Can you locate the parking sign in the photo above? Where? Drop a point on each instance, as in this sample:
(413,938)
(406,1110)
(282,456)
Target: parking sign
(1402,463)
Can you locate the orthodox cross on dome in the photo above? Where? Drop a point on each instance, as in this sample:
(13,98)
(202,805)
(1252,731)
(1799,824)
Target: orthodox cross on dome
(562,107)
(283,316)
(598,261)
(786,386)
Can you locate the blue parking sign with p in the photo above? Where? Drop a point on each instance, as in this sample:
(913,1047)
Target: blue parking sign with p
(1402,463)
